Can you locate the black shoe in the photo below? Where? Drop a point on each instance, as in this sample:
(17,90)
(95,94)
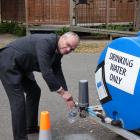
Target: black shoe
(31,130)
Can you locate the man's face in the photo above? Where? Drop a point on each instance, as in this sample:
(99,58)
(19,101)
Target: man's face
(67,45)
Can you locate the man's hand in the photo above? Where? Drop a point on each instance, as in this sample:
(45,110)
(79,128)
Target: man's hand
(67,98)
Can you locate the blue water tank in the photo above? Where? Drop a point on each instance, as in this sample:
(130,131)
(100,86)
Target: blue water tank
(118,81)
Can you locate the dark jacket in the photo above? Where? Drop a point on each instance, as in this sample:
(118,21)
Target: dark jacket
(35,52)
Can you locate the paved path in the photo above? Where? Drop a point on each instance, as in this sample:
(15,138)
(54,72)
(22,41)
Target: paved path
(75,67)
(5,39)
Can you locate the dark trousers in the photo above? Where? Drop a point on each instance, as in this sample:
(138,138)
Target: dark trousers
(24,107)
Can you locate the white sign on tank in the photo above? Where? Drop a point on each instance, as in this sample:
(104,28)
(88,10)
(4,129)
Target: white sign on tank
(121,70)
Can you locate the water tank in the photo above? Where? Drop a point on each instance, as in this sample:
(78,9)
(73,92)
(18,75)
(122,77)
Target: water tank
(117,79)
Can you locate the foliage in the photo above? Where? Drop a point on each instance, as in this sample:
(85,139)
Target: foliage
(62,30)
(20,30)
(3,28)
(126,27)
(13,28)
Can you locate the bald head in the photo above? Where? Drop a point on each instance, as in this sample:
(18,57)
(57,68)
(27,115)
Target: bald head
(71,34)
(68,42)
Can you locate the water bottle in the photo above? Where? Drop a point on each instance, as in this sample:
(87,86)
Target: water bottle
(72,115)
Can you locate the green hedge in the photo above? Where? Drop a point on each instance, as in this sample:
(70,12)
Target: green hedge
(13,28)
(128,27)
(62,30)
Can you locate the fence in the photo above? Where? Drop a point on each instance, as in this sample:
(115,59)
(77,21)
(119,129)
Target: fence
(13,10)
(54,12)
(104,11)
(78,13)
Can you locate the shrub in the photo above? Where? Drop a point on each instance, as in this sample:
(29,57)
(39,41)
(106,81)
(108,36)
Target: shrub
(4,27)
(62,30)
(19,30)
(13,28)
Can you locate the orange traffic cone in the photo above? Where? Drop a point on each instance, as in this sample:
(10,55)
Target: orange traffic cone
(45,132)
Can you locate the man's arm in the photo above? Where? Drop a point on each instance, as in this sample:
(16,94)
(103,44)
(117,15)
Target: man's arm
(44,55)
(67,97)
(59,74)
(45,58)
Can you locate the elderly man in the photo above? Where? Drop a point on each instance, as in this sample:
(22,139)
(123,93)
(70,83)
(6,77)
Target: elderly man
(37,52)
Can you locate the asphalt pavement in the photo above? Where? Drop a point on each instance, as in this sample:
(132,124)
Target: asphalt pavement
(75,67)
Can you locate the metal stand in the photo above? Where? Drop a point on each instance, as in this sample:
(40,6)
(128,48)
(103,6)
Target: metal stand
(93,111)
